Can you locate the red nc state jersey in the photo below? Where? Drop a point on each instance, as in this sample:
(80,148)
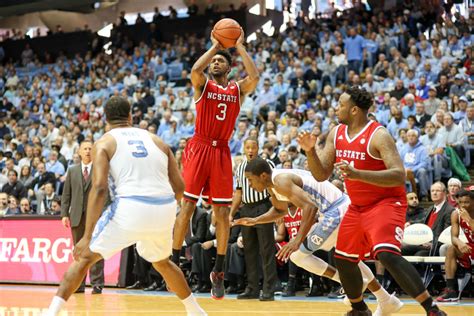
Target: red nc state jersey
(467,230)
(356,151)
(217,110)
(292,223)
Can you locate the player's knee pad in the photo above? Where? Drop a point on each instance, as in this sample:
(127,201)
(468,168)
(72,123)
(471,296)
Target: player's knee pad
(309,262)
(298,257)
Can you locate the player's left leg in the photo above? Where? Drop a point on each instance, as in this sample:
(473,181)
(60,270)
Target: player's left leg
(453,255)
(222,236)
(221,191)
(72,279)
(386,234)
(175,280)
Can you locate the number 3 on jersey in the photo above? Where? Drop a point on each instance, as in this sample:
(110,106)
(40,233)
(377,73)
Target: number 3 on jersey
(140,149)
(223,108)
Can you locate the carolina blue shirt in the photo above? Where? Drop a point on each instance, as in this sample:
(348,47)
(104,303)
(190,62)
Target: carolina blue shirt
(407,110)
(354,47)
(56,168)
(393,127)
(415,157)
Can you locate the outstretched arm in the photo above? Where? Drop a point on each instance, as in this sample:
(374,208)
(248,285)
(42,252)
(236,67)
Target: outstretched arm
(383,145)
(198,78)
(322,164)
(249,83)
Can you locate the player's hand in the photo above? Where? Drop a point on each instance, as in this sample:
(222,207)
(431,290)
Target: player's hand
(306,140)
(240,242)
(465,248)
(207,245)
(66,222)
(464,215)
(245,221)
(345,170)
(215,42)
(241,39)
(284,253)
(80,248)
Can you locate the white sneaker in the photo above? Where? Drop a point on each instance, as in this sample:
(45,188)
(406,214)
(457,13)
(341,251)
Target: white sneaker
(365,283)
(392,305)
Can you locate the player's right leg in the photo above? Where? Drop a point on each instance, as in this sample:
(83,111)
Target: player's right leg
(350,247)
(72,279)
(196,173)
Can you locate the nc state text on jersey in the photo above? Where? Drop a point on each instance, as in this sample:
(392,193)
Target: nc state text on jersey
(222,97)
(344,153)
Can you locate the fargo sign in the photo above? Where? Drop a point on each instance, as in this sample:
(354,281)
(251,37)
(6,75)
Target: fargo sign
(40,251)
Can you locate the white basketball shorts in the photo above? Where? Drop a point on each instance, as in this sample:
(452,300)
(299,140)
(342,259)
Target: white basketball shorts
(145,221)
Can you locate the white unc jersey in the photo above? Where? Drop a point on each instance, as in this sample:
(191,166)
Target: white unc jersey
(324,194)
(138,168)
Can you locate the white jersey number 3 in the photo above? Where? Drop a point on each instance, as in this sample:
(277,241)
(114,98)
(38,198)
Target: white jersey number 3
(223,108)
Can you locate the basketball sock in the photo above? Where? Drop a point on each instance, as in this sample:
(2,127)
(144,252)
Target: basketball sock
(381,295)
(56,305)
(192,306)
(451,284)
(175,256)
(429,305)
(218,267)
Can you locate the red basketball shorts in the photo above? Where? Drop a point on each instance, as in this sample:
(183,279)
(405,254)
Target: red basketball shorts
(465,260)
(207,172)
(366,231)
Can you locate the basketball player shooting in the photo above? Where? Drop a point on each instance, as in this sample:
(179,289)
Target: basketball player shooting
(206,159)
(366,157)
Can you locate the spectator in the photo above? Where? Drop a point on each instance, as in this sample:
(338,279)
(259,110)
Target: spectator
(54,166)
(409,108)
(421,116)
(454,185)
(25,207)
(415,213)
(14,187)
(453,134)
(435,144)
(45,204)
(438,218)
(432,103)
(355,51)
(26,178)
(415,159)
(12,206)
(396,123)
(467,126)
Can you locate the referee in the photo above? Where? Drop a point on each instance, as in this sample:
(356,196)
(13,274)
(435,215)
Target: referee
(259,238)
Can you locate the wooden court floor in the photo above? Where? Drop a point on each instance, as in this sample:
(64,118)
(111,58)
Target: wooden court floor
(18,300)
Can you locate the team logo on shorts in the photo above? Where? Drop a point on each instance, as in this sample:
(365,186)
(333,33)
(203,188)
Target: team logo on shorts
(315,239)
(399,234)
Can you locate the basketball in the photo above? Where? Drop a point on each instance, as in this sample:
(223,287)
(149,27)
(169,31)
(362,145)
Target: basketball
(227,32)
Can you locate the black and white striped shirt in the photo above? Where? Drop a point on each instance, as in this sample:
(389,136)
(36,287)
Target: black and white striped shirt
(249,195)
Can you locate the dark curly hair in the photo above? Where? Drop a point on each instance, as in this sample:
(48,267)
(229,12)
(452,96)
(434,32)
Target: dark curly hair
(361,97)
(226,55)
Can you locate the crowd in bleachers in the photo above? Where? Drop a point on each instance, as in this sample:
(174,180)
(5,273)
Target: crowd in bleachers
(416,60)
